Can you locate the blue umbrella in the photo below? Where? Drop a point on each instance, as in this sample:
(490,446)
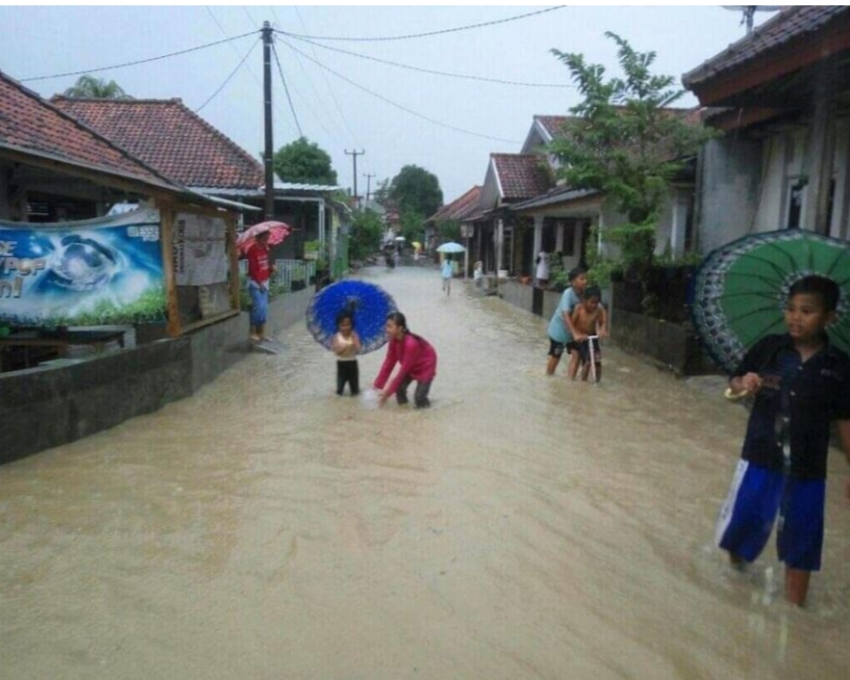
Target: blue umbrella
(369,304)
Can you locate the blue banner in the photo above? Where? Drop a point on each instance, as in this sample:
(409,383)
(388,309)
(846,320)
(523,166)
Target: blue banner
(106,271)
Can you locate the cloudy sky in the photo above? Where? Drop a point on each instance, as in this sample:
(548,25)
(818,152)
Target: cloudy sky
(346,102)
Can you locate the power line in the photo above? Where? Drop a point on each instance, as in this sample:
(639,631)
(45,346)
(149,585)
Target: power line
(291,107)
(426,70)
(399,106)
(140,61)
(232,73)
(430,33)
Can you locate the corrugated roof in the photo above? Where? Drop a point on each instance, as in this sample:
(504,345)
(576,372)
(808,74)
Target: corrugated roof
(791,24)
(171,138)
(30,124)
(562,194)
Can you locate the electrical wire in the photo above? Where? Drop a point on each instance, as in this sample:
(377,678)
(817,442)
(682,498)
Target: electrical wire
(430,33)
(232,73)
(140,61)
(396,105)
(427,70)
(292,108)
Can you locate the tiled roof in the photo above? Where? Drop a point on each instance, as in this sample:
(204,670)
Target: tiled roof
(171,138)
(31,124)
(792,24)
(554,124)
(520,176)
(460,208)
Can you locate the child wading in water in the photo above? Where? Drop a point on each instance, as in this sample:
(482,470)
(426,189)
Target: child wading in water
(346,345)
(801,383)
(589,318)
(561,329)
(418,362)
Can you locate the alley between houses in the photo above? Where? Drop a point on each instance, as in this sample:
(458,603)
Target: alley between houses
(523,527)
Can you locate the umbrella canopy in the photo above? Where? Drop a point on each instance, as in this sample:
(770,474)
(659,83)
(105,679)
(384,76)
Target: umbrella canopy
(416,245)
(741,289)
(451,247)
(277,232)
(369,304)
(400,238)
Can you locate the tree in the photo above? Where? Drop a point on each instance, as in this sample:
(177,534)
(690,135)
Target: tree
(303,161)
(416,190)
(626,143)
(367,232)
(89,87)
(449,230)
(412,226)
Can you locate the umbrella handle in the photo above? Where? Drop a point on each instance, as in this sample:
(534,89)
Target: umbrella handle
(732,396)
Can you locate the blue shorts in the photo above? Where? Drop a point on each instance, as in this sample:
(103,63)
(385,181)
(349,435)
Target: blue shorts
(259,304)
(756,497)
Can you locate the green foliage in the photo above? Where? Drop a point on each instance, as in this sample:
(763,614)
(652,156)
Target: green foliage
(415,190)
(367,231)
(412,227)
(303,161)
(149,308)
(448,230)
(89,87)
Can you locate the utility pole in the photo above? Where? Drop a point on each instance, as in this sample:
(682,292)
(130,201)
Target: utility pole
(368,186)
(268,161)
(355,154)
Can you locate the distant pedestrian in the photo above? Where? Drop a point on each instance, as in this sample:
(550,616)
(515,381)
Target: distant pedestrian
(591,325)
(561,328)
(446,274)
(259,274)
(478,274)
(346,345)
(417,359)
(542,270)
(801,384)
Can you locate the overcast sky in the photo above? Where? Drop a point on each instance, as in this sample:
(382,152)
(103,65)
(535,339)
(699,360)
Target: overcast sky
(338,115)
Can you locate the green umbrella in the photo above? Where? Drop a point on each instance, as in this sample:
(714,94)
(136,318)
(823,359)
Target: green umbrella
(741,289)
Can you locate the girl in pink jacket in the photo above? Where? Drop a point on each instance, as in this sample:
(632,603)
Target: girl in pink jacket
(418,362)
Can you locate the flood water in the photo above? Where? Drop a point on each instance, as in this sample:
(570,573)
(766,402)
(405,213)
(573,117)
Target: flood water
(523,527)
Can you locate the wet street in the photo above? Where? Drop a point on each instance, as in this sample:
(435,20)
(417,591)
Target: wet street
(523,527)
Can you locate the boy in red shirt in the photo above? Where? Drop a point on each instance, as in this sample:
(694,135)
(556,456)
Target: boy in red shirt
(259,272)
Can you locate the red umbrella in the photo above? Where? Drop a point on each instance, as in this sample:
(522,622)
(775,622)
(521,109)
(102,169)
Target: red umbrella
(277,232)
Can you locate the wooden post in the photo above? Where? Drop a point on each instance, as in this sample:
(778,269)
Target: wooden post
(166,235)
(233,255)
(818,169)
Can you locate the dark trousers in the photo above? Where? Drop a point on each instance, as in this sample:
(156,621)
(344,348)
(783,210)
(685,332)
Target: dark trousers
(420,396)
(347,372)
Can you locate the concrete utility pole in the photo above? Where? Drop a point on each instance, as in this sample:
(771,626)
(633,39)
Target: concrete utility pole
(355,154)
(268,161)
(368,186)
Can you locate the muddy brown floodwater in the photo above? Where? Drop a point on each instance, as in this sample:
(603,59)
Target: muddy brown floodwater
(524,527)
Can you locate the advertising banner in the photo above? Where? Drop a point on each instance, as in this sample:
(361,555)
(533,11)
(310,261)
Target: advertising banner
(105,271)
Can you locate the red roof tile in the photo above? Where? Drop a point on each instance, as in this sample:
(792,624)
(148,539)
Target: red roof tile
(460,208)
(29,123)
(171,138)
(791,24)
(554,124)
(521,175)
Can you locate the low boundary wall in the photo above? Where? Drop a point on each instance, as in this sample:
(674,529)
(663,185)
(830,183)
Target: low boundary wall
(45,407)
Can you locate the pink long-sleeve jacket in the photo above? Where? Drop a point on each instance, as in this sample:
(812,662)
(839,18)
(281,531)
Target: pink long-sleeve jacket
(417,357)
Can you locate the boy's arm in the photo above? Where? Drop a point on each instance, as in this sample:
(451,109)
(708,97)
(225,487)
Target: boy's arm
(844,438)
(602,323)
(336,345)
(356,339)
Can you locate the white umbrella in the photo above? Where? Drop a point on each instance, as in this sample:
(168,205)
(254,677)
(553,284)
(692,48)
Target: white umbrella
(400,238)
(451,247)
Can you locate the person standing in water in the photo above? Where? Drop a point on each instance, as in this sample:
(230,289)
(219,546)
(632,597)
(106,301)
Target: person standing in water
(446,274)
(562,332)
(259,273)
(346,345)
(418,361)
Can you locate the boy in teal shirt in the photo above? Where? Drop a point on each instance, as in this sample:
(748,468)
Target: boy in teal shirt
(561,328)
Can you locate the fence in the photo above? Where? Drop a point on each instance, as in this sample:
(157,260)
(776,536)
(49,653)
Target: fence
(289,272)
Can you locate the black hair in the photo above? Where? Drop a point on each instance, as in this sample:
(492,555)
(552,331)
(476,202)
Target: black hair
(575,272)
(826,289)
(343,315)
(592,291)
(398,319)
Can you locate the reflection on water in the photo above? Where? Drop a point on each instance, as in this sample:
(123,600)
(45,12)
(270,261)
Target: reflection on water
(523,527)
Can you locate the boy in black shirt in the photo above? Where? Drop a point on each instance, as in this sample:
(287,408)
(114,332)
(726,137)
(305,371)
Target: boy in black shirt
(801,384)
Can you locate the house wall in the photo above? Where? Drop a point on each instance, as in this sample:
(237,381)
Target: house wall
(490,190)
(729,195)
(45,407)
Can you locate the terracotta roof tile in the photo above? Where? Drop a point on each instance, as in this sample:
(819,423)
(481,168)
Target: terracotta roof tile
(460,208)
(554,124)
(32,124)
(171,138)
(793,23)
(521,176)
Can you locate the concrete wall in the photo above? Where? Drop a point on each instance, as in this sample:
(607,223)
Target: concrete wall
(45,407)
(730,190)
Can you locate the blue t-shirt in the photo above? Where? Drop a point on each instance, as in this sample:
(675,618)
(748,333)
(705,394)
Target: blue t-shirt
(558,330)
(447,269)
